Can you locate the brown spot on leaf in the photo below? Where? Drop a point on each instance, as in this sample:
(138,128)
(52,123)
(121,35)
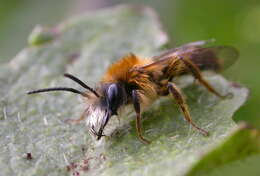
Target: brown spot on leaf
(73,57)
(236,85)
(29,156)
(71,167)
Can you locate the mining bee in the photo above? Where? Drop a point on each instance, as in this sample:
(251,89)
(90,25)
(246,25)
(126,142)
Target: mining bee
(140,81)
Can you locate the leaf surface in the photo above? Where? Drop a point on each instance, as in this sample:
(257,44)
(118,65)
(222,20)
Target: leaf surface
(85,46)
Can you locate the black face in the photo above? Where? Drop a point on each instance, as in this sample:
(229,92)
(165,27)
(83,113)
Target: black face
(115,96)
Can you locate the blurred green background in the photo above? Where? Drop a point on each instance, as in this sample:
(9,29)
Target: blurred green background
(232,22)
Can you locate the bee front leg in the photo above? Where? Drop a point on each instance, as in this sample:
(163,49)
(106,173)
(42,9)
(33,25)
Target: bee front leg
(76,121)
(197,75)
(137,108)
(176,92)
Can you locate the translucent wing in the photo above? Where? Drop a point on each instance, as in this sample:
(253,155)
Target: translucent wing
(210,58)
(184,47)
(216,58)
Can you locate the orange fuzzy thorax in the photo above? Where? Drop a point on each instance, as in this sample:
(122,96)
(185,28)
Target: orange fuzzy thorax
(124,71)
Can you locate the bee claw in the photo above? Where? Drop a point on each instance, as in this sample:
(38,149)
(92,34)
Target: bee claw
(145,141)
(228,95)
(204,132)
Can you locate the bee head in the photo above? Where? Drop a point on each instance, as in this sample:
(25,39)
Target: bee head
(114,97)
(102,103)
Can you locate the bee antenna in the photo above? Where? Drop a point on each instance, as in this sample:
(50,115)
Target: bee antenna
(56,89)
(67,75)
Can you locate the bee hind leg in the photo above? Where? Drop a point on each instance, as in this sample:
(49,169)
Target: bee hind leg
(137,108)
(177,94)
(197,75)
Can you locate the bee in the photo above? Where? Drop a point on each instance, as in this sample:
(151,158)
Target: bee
(137,81)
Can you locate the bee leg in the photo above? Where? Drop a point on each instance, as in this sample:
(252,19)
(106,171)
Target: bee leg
(118,119)
(197,74)
(176,92)
(137,108)
(76,121)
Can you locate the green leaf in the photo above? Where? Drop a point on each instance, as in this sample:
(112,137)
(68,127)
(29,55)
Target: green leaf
(239,154)
(85,46)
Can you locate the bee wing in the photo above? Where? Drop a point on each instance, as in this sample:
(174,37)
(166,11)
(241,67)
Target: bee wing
(214,58)
(185,47)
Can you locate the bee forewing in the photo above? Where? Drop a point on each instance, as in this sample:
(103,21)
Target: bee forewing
(185,47)
(226,55)
(217,57)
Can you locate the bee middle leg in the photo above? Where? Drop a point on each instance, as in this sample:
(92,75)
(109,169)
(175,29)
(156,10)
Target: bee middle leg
(137,108)
(177,94)
(197,74)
